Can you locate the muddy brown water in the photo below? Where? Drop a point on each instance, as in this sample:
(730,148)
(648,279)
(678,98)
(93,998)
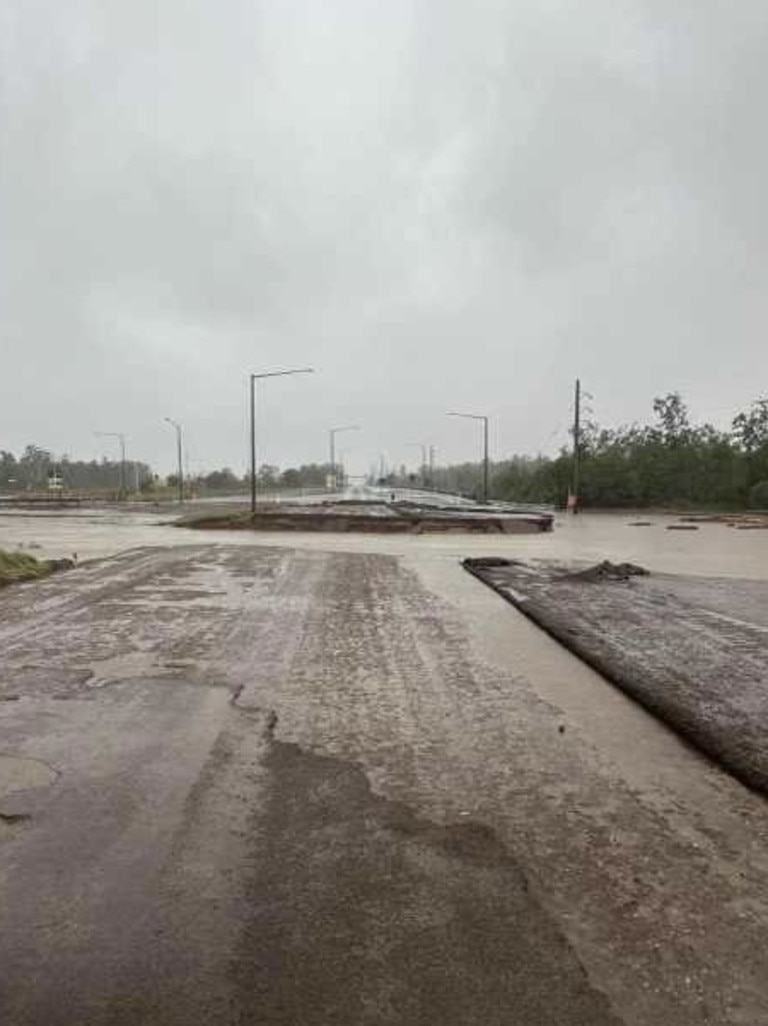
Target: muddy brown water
(403,675)
(714,550)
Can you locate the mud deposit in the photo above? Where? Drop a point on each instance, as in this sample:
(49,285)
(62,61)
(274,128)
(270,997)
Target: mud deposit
(694,651)
(375,518)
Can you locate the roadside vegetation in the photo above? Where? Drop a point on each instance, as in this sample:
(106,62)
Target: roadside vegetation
(20,566)
(30,473)
(669,462)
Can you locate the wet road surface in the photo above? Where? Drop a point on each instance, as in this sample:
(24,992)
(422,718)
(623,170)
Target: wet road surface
(270,785)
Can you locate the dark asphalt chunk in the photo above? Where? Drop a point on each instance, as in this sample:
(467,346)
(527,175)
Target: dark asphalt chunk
(692,651)
(362,912)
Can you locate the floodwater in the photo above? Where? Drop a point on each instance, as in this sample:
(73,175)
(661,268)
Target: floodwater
(395,685)
(712,550)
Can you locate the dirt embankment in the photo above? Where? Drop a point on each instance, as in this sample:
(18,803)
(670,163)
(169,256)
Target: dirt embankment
(692,651)
(372,518)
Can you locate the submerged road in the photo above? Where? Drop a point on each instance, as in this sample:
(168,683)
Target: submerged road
(246,784)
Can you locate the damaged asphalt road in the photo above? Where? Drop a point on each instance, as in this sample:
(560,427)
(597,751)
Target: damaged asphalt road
(692,650)
(270,785)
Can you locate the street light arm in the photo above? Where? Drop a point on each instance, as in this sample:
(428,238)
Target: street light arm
(284,373)
(469,416)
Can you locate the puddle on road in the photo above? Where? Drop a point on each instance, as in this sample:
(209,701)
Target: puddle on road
(131,665)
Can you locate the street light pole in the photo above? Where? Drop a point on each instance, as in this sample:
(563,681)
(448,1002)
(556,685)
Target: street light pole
(480,416)
(179,457)
(485,460)
(117,434)
(332,439)
(574,496)
(253,379)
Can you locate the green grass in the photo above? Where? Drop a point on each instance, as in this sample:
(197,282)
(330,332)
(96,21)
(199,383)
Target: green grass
(19,566)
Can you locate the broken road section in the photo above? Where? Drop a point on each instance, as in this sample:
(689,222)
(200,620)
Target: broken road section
(693,651)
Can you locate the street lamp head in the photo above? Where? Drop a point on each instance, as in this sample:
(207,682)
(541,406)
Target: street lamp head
(283,373)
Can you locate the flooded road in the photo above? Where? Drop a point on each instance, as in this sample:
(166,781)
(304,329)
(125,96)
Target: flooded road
(334,779)
(711,550)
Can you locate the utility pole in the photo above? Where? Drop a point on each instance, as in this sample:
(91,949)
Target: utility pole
(431,466)
(573,498)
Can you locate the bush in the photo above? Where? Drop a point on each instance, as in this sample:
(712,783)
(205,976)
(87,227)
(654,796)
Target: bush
(18,566)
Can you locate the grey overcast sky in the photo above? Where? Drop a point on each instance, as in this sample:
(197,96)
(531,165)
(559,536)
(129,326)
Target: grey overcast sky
(439,204)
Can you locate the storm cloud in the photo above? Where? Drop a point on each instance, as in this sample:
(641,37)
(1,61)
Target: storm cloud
(439,205)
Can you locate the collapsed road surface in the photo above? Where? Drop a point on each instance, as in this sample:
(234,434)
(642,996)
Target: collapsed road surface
(692,650)
(272,785)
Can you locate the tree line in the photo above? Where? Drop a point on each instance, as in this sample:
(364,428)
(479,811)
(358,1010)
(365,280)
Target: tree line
(36,468)
(670,461)
(268,476)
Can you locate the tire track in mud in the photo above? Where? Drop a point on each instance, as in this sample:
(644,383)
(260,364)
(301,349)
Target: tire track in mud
(167,611)
(26,609)
(351,684)
(383,676)
(256,649)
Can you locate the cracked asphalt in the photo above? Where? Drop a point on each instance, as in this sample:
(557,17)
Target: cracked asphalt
(261,784)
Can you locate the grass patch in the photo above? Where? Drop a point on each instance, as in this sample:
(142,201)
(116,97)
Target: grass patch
(20,566)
